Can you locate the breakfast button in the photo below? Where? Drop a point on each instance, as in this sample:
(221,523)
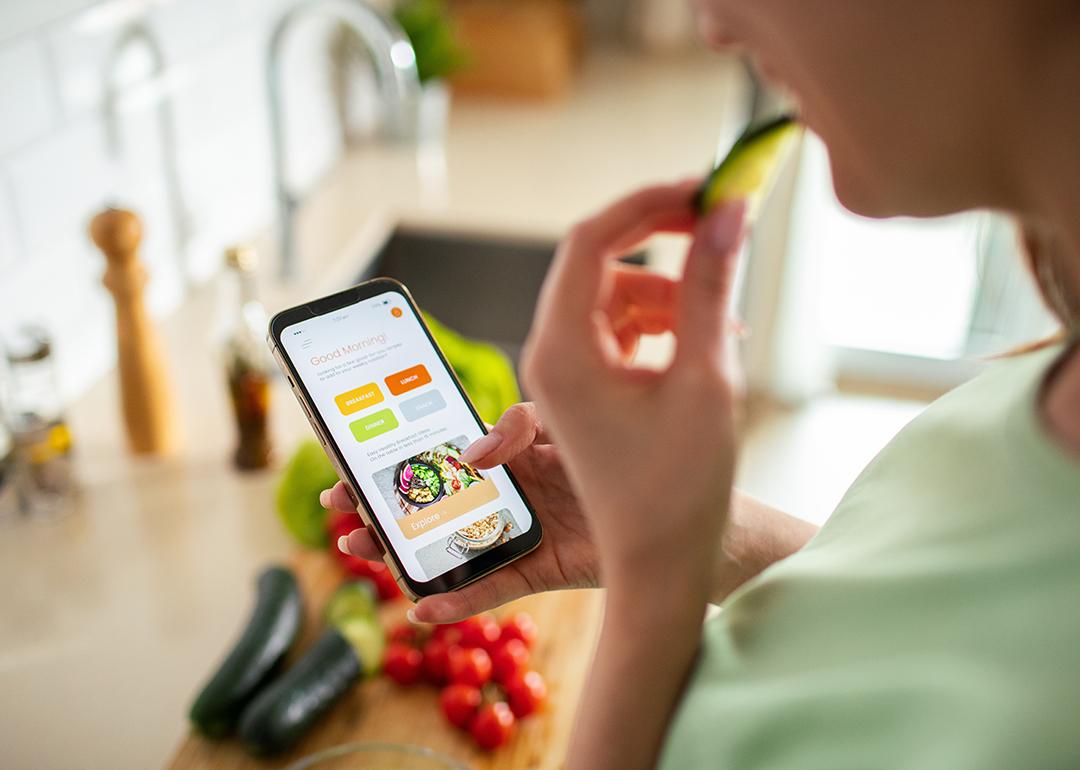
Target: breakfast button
(358,398)
(408,379)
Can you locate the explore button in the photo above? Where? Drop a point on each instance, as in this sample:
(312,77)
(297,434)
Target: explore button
(408,379)
(422,405)
(373,425)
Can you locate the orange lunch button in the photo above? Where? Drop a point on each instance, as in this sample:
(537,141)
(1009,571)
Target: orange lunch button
(408,379)
(358,398)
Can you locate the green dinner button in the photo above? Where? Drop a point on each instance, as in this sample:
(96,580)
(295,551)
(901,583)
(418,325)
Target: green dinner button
(373,425)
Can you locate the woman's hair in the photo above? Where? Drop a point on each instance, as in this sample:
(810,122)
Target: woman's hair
(1047,259)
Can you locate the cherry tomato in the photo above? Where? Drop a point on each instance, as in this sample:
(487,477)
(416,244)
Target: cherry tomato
(480,631)
(403,663)
(469,665)
(520,626)
(493,725)
(436,660)
(449,633)
(459,703)
(526,692)
(508,658)
(405,633)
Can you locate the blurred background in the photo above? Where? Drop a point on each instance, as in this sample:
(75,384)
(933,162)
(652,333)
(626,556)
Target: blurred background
(236,156)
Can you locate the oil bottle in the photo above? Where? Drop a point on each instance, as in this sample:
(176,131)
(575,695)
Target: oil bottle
(248,367)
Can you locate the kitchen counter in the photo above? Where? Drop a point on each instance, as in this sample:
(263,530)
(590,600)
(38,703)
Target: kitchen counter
(111,616)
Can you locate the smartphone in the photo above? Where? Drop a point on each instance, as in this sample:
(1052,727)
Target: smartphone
(394,419)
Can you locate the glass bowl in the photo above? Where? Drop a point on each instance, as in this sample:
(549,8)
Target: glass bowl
(377,756)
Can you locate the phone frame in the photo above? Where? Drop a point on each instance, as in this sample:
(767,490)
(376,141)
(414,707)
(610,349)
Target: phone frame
(459,576)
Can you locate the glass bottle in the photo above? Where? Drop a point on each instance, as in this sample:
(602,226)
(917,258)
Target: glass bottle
(39,430)
(247,362)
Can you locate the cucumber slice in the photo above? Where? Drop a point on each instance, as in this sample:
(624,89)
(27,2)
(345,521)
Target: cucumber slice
(354,599)
(256,656)
(748,169)
(368,641)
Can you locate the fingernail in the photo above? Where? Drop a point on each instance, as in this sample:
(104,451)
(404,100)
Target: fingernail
(482,447)
(410,615)
(725,225)
(343,545)
(324,498)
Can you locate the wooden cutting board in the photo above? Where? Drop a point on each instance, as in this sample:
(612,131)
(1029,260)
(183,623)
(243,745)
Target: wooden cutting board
(379,710)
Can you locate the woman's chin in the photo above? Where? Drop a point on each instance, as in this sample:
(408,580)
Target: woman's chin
(880,198)
(866,200)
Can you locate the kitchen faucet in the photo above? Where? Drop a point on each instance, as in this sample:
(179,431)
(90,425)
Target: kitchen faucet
(138,33)
(395,71)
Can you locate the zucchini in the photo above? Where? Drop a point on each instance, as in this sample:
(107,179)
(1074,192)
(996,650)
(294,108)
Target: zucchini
(271,631)
(750,165)
(350,648)
(281,714)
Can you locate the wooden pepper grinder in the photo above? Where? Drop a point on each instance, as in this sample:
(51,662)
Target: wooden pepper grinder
(145,394)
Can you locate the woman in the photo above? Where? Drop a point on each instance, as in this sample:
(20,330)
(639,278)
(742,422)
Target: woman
(933,622)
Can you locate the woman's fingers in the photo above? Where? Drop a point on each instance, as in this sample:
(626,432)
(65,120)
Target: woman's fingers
(360,543)
(707,284)
(496,589)
(337,499)
(573,288)
(641,302)
(517,430)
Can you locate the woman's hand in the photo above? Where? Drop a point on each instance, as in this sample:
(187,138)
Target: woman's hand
(650,454)
(651,457)
(640,303)
(565,557)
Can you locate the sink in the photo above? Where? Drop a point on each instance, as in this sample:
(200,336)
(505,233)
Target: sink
(482,286)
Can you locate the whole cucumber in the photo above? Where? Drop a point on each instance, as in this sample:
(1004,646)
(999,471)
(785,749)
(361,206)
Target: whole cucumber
(280,715)
(274,625)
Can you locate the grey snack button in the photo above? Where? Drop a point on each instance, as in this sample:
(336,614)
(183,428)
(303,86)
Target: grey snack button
(422,405)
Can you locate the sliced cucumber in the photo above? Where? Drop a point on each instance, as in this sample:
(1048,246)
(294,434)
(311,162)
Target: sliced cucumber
(748,169)
(368,640)
(351,648)
(354,599)
(271,631)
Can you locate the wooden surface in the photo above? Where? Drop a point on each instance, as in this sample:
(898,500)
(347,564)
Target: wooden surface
(145,385)
(379,710)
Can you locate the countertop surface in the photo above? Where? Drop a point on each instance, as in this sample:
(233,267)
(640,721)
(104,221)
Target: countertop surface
(112,615)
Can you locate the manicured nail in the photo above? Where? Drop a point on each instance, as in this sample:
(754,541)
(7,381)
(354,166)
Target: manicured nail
(343,545)
(410,615)
(482,447)
(726,224)
(324,498)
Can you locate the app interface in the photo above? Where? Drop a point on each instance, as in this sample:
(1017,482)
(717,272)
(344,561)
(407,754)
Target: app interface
(401,425)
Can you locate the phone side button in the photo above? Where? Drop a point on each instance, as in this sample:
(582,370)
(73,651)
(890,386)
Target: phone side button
(379,544)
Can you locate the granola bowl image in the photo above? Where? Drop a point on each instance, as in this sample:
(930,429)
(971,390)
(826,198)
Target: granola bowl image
(483,533)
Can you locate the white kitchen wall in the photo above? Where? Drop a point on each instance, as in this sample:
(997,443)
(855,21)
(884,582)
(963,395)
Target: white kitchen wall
(56,171)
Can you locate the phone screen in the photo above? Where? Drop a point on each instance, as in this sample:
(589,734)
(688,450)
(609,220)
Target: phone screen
(400,423)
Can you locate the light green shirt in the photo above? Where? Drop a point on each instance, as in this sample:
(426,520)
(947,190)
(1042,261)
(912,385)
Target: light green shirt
(934,622)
